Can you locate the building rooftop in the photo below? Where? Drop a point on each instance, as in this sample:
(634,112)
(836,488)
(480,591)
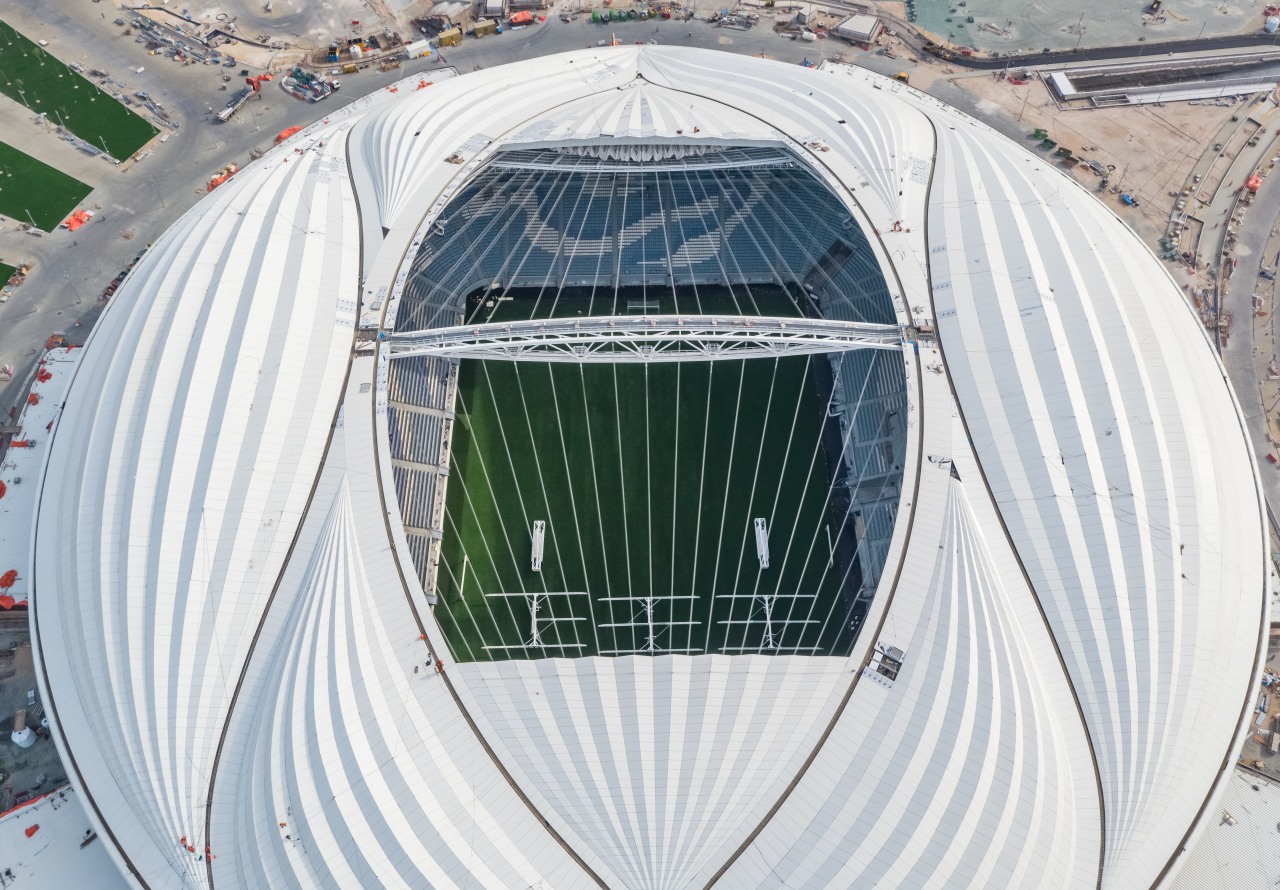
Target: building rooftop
(1058,660)
(50,842)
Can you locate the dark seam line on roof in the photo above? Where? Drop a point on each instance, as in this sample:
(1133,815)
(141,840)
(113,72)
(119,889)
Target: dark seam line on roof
(284,567)
(1066,673)
(884,616)
(52,710)
(1260,654)
(413,608)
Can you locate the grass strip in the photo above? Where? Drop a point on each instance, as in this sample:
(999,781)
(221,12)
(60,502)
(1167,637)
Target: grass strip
(511,468)
(30,75)
(33,192)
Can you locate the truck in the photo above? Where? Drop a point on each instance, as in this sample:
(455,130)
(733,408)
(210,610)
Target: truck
(234,104)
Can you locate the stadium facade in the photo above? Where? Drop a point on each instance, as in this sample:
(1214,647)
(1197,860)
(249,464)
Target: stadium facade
(288,629)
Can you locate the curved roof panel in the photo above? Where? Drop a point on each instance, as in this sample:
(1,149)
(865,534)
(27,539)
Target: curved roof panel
(184,472)
(1096,447)
(1051,677)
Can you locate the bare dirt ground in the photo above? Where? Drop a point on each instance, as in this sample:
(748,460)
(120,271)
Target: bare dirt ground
(309,22)
(1152,148)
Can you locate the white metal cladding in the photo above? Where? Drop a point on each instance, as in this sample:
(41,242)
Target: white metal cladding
(960,773)
(1116,456)
(177,484)
(1075,576)
(691,747)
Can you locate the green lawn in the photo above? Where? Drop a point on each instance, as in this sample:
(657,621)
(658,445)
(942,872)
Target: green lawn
(32,190)
(648,478)
(30,75)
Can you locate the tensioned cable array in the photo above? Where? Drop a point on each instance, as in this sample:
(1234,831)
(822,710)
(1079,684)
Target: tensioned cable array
(546,242)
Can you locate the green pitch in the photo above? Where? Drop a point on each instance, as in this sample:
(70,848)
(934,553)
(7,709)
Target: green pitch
(30,75)
(33,191)
(648,478)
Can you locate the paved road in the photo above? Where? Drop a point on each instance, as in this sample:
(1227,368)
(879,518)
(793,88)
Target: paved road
(1216,215)
(136,202)
(1251,349)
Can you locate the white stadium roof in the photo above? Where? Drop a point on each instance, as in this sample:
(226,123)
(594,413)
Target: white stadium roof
(237,652)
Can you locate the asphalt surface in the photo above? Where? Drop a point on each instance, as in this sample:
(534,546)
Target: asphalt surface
(136,201)
(1251,347)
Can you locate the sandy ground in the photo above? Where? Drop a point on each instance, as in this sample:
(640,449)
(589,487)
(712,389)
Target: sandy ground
(1033,25)
(308,21)
(1151,148)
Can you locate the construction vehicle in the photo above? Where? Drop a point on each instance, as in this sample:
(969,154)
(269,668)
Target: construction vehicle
(233,105)
(902,76)
(940,52)
(254,85)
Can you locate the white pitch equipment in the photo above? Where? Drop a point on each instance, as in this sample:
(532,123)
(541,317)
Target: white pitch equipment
(539,534)
(762,543)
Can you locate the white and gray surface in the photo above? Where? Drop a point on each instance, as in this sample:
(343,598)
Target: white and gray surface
(63,851)
(1077,576)
(1241,847)
(1032,25)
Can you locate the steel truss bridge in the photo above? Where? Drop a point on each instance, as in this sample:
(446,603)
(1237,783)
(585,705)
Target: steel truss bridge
(652,338)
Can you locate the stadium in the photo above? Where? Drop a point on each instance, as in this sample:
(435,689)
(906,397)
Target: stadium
(648,467)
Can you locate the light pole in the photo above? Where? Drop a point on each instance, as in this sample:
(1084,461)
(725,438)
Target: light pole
(152,180)
(66,276)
